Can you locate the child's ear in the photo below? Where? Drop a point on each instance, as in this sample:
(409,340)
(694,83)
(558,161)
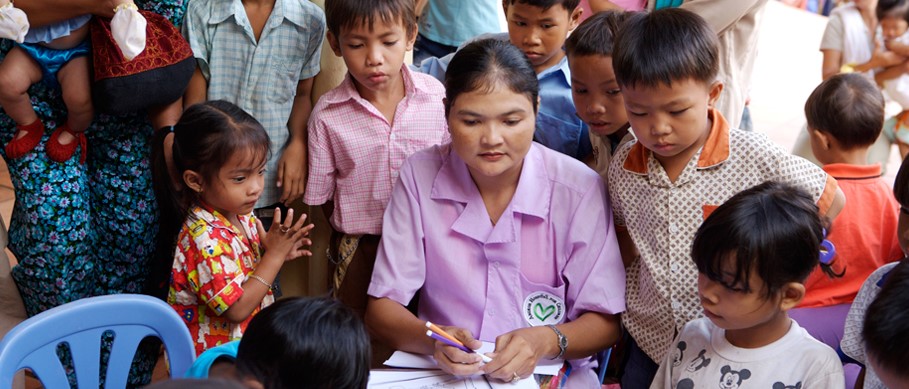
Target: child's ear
(412,37)
(193,180)
(820,138)
(714,94)
(575,18)
(251,383)
(792,294)
(333,42)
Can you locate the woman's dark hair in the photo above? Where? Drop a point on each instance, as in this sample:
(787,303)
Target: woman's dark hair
(206,137)
(484,64)
(849,107)
(886,326)
(305,342)
(772,228)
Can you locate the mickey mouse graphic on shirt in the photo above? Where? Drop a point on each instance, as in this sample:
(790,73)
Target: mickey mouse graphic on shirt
(780,385)
(698,363)
(678,353)
(731,379)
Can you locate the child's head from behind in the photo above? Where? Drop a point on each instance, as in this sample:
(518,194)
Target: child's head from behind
(372,36)
(491,97)
(220,151)
(893,16)
(845,113)
(666,64)
(594,89)
(539,28)
(886,329)
(753,253)
(316,341)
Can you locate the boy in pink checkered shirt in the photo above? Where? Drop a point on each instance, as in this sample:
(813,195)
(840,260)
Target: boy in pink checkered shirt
(361,132)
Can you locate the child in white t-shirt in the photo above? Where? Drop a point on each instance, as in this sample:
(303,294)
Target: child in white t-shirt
(752,254)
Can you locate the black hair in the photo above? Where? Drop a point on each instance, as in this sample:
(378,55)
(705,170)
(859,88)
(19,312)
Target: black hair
(848,107)
(901,184)
(569,5)
(484,64)
(206,137)
(886,328)
(316,341)
(348,14)
(596,35)
(666,45)
(772,228)
(892,9)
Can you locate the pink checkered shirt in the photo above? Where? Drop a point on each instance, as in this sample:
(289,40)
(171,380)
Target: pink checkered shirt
(355,155)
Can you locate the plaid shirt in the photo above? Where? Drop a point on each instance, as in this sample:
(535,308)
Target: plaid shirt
(355,155)
(260,77)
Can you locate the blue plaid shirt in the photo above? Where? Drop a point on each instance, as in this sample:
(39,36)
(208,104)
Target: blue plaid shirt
(260,77)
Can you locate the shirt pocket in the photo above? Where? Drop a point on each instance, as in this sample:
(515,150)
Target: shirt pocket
(282,83)
(558,134)
(542,304)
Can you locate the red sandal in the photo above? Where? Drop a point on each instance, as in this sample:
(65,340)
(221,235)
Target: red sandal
(20,146)
(61,153)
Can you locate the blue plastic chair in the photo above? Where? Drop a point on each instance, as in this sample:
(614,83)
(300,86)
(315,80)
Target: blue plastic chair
(33,343)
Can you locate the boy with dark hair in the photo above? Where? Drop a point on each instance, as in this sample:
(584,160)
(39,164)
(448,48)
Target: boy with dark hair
(539,28)
(361,131)
(685,162)
(845,115)
(594,89)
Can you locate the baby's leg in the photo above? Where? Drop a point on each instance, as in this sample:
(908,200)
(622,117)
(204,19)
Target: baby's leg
(75,86)
(18,72)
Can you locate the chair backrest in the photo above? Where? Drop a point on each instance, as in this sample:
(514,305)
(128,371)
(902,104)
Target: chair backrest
(130,317)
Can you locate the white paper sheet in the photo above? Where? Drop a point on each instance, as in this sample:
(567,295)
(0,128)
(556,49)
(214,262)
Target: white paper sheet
(415,361)
(435,379)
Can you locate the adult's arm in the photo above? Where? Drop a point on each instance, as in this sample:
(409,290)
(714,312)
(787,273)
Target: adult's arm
(721,14)
(44,12)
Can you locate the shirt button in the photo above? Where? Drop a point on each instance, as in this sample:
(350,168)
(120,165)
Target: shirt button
(495,265)
(492,312)
(674,267)
(673,228)
(676,305)
(392,137)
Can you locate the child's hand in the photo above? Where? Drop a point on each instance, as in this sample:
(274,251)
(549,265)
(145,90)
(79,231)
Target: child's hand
(288,239)
(292,172)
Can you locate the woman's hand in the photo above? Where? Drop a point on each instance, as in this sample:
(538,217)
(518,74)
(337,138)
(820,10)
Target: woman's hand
(455,361)
(287,239)
(518,351)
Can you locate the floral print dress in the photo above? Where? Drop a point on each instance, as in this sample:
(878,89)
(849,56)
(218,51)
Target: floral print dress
(85,230)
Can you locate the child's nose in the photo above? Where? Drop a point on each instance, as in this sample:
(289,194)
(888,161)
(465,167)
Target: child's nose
(532,38)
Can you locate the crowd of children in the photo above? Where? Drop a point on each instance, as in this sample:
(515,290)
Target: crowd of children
(566,187)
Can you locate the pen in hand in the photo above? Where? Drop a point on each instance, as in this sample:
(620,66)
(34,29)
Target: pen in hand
(439,334)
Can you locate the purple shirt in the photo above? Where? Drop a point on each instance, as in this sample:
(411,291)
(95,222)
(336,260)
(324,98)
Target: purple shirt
(551,257)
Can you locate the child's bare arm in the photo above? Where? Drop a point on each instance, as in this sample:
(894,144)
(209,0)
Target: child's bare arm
(891,73)
(292,166)
(603,5)
(197,90)
(839,201)
(897,47)
(626,246)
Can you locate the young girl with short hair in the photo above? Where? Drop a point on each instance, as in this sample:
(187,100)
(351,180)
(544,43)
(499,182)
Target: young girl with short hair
(753,254)
(224,262)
